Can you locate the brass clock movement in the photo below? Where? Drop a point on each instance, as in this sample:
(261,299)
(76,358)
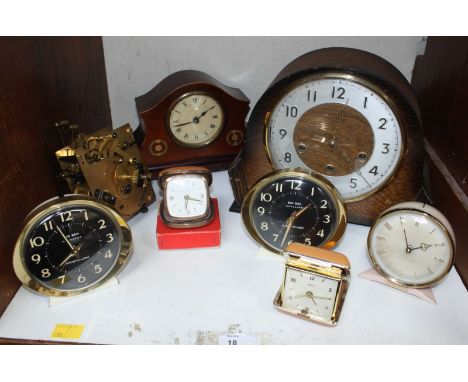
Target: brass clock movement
(345,114)
(190,118)
(107,165)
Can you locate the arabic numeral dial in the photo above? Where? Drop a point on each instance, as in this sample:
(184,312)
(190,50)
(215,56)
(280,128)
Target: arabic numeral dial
(293,207)
(340,129)
(64,248)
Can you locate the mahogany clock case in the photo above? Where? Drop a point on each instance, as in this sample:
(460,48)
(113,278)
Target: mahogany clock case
(407,179)
(160,150)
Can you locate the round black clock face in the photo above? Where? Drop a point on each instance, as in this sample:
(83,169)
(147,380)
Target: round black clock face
(293,206)
(72,247)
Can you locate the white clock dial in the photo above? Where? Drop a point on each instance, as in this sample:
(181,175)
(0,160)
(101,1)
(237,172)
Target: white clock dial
(187,196)
(196,120)
(310,294)
(340,129)
(411,247)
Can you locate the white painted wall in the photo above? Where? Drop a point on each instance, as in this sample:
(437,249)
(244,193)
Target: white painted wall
(135,65)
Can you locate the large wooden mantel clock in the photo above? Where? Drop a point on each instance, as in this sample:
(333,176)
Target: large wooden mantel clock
(190,118)
(345,114)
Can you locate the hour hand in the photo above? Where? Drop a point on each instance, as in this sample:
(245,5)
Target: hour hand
(195,200)
(206,111)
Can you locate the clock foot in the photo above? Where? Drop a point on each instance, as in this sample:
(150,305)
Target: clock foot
(235,207)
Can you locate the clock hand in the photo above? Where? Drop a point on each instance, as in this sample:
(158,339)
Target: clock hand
(351,167)
(195,200)
(301,211)
(291,220)
(289,224)
(182,124)
(422,246)
(76,251)
(408,247)
(340,123)
(64,237)
(62,264)
(311,295)
(314,296)
(206,111)
(362,176)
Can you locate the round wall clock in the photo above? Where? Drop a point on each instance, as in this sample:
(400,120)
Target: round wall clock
(70,245)
(294,206)
(190,118)
(347,115)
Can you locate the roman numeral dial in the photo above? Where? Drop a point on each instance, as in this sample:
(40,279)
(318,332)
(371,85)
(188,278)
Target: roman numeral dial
(412,246)
(195,120)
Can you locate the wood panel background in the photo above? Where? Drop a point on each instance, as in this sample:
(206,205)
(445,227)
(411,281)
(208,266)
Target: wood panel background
(440,80)
(42,80)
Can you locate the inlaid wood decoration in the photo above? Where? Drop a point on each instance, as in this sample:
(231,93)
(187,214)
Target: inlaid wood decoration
(343,113)
(190,118)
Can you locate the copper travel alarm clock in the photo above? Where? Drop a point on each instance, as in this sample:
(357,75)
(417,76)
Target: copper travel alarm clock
(314,285)
(347,115)
(190,118)
(186,197)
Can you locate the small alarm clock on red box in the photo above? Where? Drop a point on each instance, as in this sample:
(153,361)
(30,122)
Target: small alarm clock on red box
(188,216)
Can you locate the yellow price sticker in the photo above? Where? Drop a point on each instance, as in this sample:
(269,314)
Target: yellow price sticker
(67,331)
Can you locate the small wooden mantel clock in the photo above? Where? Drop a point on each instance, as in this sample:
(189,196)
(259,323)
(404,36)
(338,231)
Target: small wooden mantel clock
(190,118)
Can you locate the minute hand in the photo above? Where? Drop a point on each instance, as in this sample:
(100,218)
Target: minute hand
(72,247)
(182,124)
(291,220)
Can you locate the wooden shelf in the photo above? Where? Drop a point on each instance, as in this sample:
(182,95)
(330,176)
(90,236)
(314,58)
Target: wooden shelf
(196,296)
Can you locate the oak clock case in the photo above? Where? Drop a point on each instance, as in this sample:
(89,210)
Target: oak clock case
(314,284)
(70,245)
(294,206)
(190,118)
(186,199)
(346,114)
(412,245)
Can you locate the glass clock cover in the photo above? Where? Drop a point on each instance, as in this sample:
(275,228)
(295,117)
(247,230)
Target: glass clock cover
(71,245)
(196,119)
(340,128)
(187,196)
(309,294)
(412,244)
(293,206)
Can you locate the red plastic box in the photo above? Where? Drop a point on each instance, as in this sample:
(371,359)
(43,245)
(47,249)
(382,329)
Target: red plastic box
(200,237)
